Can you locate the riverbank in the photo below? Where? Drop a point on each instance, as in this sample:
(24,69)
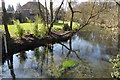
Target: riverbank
(29,42)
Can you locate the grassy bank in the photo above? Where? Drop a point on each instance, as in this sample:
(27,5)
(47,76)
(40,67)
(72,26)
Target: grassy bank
(28,27)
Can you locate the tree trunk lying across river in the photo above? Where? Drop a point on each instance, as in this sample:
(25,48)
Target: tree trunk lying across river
(29,43)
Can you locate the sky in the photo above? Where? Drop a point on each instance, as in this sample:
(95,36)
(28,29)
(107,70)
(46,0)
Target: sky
(22,2)
(56,2)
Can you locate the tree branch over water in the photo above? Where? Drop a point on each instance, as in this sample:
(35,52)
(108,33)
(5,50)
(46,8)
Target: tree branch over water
(92,15)
(71,50)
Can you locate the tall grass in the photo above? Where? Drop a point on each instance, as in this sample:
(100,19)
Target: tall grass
(20,31)
(39,30)
(30,26)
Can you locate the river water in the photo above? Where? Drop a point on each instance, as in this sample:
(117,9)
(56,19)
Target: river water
(91,49)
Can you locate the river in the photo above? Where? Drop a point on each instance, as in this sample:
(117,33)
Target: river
(93,51)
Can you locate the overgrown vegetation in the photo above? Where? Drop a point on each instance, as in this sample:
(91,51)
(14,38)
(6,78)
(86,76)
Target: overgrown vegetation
(57,70)
(66,27)
(30,26)
(20,31)
(28,20)
(39,31)
(116,67)
(67,64)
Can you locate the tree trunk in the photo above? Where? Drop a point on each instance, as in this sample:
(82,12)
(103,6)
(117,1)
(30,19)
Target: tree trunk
(119,27)
(51,9)
(72,12)
(119,15)
(51,12)
(46,17)
(5,21)
(71,22)
(41,14)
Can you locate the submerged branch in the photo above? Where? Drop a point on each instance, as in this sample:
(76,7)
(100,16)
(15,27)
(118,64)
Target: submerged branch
(71,50)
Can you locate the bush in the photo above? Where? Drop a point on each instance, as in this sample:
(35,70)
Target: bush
(42,31)
(116,67)
(66,27)
(20,31)
(28,20)
(39,31)
(35,30)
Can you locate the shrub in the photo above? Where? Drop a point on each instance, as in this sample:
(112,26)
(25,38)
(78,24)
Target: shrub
(28,20)
(116,67)
(35,30)
(39,31)
(66,27)
(42,31)
(20,31)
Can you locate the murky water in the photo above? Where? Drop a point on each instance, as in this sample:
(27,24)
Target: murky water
(93,51)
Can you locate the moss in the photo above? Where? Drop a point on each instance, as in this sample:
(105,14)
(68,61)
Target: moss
(67,64)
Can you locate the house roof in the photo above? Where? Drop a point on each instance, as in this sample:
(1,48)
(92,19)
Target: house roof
(31,5)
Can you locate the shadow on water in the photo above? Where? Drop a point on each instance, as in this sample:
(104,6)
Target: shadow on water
(90,49)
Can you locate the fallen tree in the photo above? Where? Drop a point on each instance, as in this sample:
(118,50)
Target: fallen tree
(29,43)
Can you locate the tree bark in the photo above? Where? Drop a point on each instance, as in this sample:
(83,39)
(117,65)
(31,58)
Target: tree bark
(72,15)
(5,21)
(40,12)
(51,12)
(53,20)
(46,13)
(119,26)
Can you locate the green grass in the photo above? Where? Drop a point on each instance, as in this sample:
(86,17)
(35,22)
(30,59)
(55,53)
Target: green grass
(28,27)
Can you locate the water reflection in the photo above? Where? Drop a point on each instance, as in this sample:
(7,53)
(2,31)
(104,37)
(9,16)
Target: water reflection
(10,66)
(93,48)
(70,46)
(22,57)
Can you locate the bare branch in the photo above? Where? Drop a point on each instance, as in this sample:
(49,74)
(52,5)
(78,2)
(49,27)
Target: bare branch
(56,15)
(92,16)
(58,11)
(117,3)
(40,12)
(46,13)
(5,20)
(77,12)
(72,12)
(71,50)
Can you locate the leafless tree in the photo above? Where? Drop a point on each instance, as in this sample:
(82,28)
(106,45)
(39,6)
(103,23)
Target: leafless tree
(41,13)
(51,13)
(51,10)
(72,14)
(118,3)
(89,12)
(46,16)
(5,20)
